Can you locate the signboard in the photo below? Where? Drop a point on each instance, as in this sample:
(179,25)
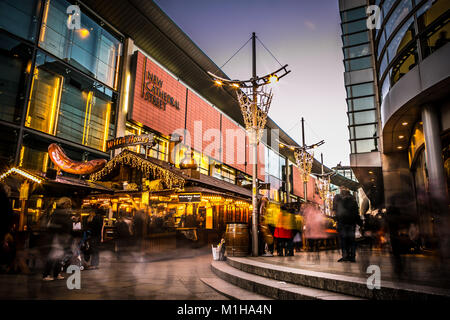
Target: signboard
(190,197)
(128,141)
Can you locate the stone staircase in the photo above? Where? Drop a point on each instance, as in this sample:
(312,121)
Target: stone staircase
(247,279)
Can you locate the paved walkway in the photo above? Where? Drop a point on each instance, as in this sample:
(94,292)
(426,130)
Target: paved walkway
(174,275)
(417,268)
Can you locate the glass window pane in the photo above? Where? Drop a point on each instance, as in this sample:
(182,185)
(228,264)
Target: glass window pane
(359,90)
(362,103)
(356,38)
(387,5)
(19,17)
(405,62)
(354,26)
(357,51)
(90,49)
(15,69)
(368,145)
(435,38)
(366,131)
(385,87)
(401,39)
(8,145)
(431,11)
(383,65)
(364,117)
(381,44)
(358,64)
(399,13)
(353,14)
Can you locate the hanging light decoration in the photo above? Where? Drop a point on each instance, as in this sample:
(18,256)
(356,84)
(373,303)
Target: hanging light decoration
(304,161)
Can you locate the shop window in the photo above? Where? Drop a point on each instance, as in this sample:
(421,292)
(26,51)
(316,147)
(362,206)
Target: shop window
(20,17)
(90,49)
(223,172)
(160,150)
(417,140)
(202,162)
(69,105)
(15,69)
(34,159)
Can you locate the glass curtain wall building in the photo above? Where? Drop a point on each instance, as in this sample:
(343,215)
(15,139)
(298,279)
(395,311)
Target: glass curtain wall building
(362,98)
(411,76)
(57,84)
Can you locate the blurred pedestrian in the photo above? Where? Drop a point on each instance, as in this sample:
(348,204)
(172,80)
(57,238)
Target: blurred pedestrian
(347,216)
(315,225)
(95,225)
(59,229)
(283,233)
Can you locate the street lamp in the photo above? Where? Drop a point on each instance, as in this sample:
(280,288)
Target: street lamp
(304,159)
(254,98)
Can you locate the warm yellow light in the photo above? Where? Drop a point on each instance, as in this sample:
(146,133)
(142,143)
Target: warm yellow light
(105,134)
(399,147)
(371,172)
(235,85)
(273,78)
(84,33)
(218,83)
(401,137)
(127,87)
(404,123)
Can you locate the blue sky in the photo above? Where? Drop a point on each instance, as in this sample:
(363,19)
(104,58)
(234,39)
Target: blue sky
(302,33)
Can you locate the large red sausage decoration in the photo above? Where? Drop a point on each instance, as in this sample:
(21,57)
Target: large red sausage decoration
(63,162)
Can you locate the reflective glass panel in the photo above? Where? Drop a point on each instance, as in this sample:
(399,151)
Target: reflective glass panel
(356,38)
(357,51)
(397,16)
(368,145)
(15,69)
(353,14)
(362,103)
(358,64)
(354,26)
(364,117)
(19,17)
(91,48)
(401,39)
(367,131)
(359,90)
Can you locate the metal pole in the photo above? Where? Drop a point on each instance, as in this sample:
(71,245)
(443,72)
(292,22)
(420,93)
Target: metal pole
(255,155)
(305,184)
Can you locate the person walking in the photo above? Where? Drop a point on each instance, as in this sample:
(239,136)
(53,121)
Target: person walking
(346,211)
(59,229)
(283,233)
(95,225)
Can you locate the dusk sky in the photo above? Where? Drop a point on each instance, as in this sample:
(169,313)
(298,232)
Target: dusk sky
(303,34)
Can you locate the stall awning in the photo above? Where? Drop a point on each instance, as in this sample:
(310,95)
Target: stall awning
(149,167)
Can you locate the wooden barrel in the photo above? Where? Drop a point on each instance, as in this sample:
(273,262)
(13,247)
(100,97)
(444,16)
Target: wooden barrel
(236,239)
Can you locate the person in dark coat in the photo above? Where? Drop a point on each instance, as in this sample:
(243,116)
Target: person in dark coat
(347,217)
(59,229)
(95,227)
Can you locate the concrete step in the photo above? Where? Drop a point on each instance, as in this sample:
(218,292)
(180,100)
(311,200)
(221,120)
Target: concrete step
(272,288)
(231,291)
(340,284)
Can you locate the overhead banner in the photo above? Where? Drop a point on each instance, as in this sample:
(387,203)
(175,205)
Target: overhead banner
(128,141)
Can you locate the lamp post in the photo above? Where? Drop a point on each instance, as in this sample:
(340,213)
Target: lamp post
(254,99)
(304,159)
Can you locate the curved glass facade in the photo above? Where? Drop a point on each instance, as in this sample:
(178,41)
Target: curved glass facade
(410,31)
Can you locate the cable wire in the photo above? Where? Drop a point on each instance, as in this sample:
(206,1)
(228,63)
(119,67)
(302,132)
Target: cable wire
(220,68)
(269,52)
